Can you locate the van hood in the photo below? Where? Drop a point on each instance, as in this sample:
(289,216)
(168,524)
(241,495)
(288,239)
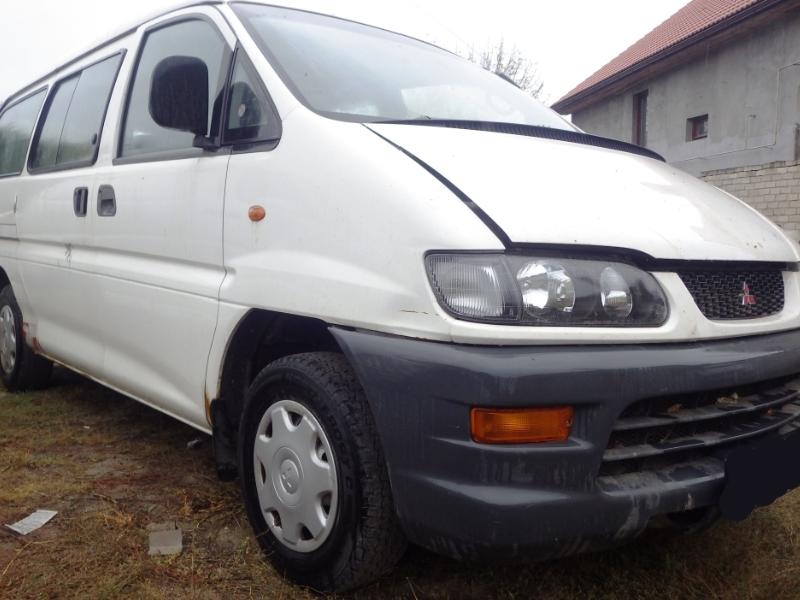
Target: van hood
(543,191)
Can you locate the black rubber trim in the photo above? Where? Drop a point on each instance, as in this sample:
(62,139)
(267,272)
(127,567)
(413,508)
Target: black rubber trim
(646,261)
(179,154)
(548,133)
(629,256)
(485,218)
(671,266)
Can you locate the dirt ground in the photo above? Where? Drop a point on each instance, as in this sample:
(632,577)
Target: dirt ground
(111,467)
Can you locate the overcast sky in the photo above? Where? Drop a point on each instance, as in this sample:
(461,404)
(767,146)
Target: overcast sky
(568,40)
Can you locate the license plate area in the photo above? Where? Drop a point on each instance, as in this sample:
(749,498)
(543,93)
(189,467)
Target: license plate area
(760,472)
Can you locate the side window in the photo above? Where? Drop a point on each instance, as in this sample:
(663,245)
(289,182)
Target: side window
(251,117)
(16,127)
(194,39)
(45,148)
(69,134)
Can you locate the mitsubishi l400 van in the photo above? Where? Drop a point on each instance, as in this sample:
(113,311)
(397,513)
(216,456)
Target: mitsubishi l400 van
(410,303)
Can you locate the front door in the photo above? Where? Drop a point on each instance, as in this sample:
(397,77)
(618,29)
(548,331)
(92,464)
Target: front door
(158,230)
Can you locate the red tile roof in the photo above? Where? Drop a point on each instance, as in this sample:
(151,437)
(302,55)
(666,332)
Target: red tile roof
(688,21)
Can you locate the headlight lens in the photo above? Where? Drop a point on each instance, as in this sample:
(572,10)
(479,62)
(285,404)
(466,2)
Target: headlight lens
(615,294)
(478,289)
(545,291)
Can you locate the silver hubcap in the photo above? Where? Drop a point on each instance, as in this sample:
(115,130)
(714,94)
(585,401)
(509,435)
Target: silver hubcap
(295,476)
(8,339)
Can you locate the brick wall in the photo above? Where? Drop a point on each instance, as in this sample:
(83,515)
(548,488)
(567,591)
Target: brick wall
(773,189)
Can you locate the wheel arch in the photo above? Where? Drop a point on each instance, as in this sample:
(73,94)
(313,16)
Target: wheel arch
(259,338)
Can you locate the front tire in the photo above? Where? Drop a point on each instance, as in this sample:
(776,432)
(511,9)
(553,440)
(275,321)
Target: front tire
(313,475)
(20,367)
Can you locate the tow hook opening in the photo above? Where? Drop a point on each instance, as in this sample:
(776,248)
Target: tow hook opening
(694,520)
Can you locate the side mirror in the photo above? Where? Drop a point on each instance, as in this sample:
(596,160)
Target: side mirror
(179,94)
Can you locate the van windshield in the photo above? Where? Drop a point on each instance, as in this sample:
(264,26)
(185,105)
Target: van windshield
(353,72)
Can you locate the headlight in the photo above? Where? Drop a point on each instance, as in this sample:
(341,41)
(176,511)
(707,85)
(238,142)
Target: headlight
(479,288)
(545,291)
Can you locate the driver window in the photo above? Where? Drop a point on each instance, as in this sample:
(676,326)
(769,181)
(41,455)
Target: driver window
(193,38)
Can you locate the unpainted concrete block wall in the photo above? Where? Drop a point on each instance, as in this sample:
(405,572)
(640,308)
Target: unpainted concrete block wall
(773,189)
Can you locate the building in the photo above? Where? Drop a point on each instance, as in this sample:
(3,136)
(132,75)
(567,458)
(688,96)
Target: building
(715,89)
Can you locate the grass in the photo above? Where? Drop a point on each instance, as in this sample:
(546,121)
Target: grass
(111,467)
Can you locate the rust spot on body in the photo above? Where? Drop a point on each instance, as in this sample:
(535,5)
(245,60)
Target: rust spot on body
(207,404)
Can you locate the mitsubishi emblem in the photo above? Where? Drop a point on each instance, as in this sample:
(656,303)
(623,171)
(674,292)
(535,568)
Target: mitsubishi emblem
(748,299)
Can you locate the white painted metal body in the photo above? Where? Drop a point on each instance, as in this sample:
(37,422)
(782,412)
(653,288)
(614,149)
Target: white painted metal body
(148,301)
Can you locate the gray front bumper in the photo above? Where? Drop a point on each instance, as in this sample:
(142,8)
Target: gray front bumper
(469,500)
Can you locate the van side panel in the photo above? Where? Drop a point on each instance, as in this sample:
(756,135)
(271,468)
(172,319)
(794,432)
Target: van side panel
(55,257)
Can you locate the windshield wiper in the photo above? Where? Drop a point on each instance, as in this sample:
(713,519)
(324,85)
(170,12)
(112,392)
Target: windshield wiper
(419,119)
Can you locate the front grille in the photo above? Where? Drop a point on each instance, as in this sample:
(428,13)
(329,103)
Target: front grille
(725,295)
(661,432)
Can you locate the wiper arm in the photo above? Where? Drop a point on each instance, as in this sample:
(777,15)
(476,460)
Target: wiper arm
(422,118)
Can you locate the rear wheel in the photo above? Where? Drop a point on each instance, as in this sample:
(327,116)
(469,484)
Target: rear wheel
(313,475)
(20,367)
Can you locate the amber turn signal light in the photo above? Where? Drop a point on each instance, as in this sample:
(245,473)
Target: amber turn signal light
(520,425)
(256,213)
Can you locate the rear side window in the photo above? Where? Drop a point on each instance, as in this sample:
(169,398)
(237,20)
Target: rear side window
(16,126)
(45,151)
(70,132)
(195,39)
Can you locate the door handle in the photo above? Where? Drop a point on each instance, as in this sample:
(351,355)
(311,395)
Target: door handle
(106,201)
(80,201)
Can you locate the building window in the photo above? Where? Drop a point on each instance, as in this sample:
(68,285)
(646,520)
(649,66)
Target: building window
(697,128)
(640,118)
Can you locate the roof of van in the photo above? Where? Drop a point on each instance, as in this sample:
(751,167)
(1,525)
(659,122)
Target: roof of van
(133,26)
(121,32)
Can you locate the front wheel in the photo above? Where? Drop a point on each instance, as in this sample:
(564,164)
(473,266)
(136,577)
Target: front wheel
(20,367)
(313,476)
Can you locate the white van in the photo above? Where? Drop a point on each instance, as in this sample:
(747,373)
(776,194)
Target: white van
(409,302)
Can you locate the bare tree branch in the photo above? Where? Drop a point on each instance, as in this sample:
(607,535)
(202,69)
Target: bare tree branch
(500,59)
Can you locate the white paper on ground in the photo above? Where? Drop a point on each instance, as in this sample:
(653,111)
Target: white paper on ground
(32,522)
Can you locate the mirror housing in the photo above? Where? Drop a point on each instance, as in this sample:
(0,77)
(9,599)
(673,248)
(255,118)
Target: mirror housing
(179,94)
